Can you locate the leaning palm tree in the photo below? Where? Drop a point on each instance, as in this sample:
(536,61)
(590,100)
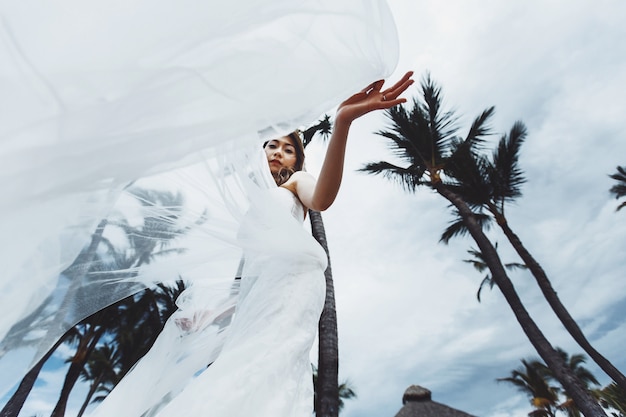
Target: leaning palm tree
(489,183)
(531,380)
(619,189)
(425,138)
(327,400)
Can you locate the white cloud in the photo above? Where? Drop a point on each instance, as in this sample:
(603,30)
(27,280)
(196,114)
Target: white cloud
(407,307)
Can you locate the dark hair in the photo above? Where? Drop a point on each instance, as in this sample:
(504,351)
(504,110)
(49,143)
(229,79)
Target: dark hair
(284,174)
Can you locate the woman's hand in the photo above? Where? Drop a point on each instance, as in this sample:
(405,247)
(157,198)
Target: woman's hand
(372,98)
(321,194)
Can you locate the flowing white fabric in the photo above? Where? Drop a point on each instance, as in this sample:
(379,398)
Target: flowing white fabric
(171,95)
(263,367)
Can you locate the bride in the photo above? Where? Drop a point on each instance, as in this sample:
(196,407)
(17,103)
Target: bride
(89,109)
(263,367)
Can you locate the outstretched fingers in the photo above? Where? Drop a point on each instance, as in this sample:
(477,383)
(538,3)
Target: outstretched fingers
(391,94)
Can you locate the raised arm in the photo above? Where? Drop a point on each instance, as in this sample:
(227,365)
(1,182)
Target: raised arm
(319,195)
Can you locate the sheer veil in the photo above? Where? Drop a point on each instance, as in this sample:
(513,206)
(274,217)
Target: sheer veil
(104,100)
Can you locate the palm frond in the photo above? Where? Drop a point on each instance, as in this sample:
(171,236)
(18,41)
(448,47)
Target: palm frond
(613,396)
(470,175)
(457,227)
(515,265)
(442,124)
(480,128)
(409,178)
(404,147)
(488,280)
(506,176)
(323,127)
(619,189)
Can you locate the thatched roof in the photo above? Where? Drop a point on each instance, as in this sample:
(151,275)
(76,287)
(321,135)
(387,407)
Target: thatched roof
(418,403)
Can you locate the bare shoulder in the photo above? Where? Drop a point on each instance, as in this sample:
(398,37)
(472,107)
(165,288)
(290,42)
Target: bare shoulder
(302,184)
(298,178)
(301,176)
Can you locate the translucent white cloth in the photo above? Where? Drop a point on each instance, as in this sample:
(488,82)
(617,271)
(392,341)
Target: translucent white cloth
(264,367)
(99,94)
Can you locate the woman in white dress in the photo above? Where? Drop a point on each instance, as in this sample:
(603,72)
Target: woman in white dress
(263,367)
(99,95)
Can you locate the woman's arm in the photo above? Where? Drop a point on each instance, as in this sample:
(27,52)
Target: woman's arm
(319,195)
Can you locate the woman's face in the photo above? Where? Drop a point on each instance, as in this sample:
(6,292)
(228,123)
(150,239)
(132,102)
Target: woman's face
(281,153)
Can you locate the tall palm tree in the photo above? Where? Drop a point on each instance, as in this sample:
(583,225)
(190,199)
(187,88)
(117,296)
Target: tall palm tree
(619,189)
(489,183)
(425,138)
(530,380)
(327,400)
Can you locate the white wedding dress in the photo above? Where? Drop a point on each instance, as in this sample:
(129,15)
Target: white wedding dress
(103,98)
(260,365)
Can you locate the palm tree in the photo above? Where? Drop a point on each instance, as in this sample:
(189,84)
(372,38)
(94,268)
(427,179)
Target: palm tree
(613,397)
(139,320)
(424,137)
(156,232)
(13,407)
(575,363)
(99,370)
(537,376)
(85,336)
(75,272)
(530,379)
(619,189)
(327,400)
(490,183)
(159,227)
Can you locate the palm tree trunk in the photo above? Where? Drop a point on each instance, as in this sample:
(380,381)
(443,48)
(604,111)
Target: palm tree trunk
(328,359)
(582,397)
(92,390)
(83,351)
(559,309)
(13,407)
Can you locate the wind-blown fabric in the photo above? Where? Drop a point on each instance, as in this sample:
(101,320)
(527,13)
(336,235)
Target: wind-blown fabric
(102,98)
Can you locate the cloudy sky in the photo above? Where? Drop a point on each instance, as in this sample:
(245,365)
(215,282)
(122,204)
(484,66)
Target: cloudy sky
(407,304)
(407,308)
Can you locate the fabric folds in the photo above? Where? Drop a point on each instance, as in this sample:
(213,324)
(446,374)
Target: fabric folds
(106,99)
